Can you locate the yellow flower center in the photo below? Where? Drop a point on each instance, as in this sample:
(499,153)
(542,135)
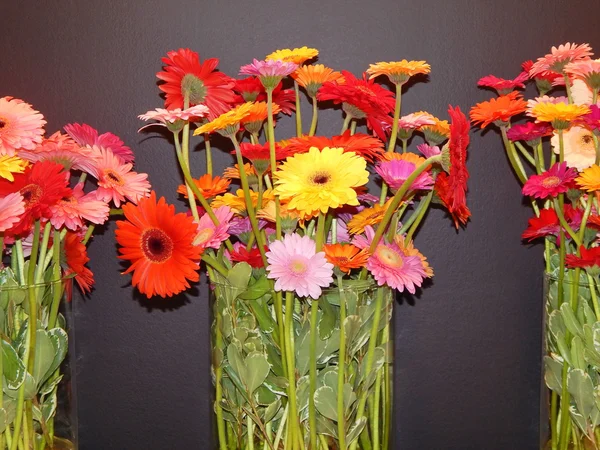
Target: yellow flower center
(551,182)
(298,267)
(156,245)
(389,257)
(113,177)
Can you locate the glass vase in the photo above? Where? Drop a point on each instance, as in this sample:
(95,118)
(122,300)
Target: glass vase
(38,395)
(572,361)
(279,362)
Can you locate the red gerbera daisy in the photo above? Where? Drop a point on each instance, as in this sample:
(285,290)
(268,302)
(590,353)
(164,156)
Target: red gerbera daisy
(252,257)
(42,185)
(544,225)
(503,86)
(451,188)
(546,81)
(556,180)
(587,259)
(158,243)
(369,147)
(251,89)
(75,259)
(262,152)
(184,74)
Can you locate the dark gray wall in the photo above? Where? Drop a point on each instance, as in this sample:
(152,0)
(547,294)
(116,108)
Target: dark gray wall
(467,373)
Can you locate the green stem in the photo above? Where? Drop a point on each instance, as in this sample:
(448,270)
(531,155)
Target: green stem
(564,409)
(525,153)
(207,147)
(514,160)
(20,260)
(315,114)
(541,164)
(397,108)
(353,127)
(281,427)
(422,210)
(375,420)
(88,233)
(593,291)
(387,387)
(553,420)
(346,123)
(290,353)
(271,136)
(561,218)
(250,427)
(341,415)
(39,272)
(188,187)
(320,234)
(215,264)
(57,291)
(298,112)
(312,416)
(568,88)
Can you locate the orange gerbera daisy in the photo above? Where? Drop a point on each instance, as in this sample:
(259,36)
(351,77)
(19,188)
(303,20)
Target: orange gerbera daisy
(498,110)
(398,71)
(409,249)
(257,115)
(158,243)
(233,173)
(437,133)
(408,156)
(369,147)
(207,185)
(312,78)
(346,256)
(368,216)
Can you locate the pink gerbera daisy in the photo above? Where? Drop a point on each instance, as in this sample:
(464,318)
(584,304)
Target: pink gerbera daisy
(11,208)
(70,211)
(415,120)
(296,266)
(396,171)
(428,150)
(20,126)
(556,180)
(116,181)
(364,240)
(211,235)
(270,72)
(558,58)
(165,116)
(87,136)
(503,86)
(390,266)
(587,70)
(530,131)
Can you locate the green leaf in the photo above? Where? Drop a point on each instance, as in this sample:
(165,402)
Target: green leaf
(596,336)
(264,396)
(563,348)
(349,397)
(44,355)
(580,386)
(578,418)
(352,326)
(272,410)
(277,385)
(60,342)
(326,426)
(29,390)
(49,385)
(49,407)
(595,417)
(369,378)
(570,320)
(328,318)
(588,313)
(257,369)
(326,402)
(354,432)
(556,323)
(12,366)
(257,289)
(553,374)
(3,420)
(239,276)
(235,361)
(577,353)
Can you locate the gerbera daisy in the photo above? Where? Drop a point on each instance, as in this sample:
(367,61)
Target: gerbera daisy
(184,75)
(437,133)
(11,208)
(296,266)
(20,126)
(498,110)
(390,266)
(589,179)
(158,243)
(556,180)
(408,157)
(210,235)
(396,171)
(75,259)
(237,202)
(287,217)
(369,147)
(227,123)
(248,89)
(233,173)
(546,224)
(560,115)
(241,254)
(71,211)
(364,240)
(578,145)
(10,165)
(592,120)
(428,150)
(408,248)
(503,86)
(260,154)
(87,136)
(297,56)
(581,94)
(42,185)
(407,124)
(558,58)
(346,256)
(398,72)
(208,186)
(312,77)
(174,119)
(588,259)
(367,217)
(587,70)
(321,179)
(270,72)
(451,188)
(529,131)
(117,182)
(253,122)
(532,103)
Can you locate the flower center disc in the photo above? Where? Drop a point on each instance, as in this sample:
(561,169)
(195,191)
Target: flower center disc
(321,178)
(113,177)
(157,245)
(298,267)
(389,257)
(194,87)
(3,122)
(31,194)
(551,182)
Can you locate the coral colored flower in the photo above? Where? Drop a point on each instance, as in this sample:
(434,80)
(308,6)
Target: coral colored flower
(395,173)
(210,235)
(558,58)
(270,72)
(390,266)
(228,122)
(71,211)
(578,146)
(10,165)
(313,77)
(559,114)
(117,182)
(87,136)
(346,256)
(410,157)
(498,110)
(589,258)
(409,249)
(589,179)
(367,217)
(556,180)
(398,72)
(158,243)
(503,86)
(11,208)
(530,131)
(184,74)
(75,260)
(296,266)
(428,150)
(240,254)
(592,120)
(165,116)
(20,126)
(208,186)
(42,185)
(233,173)
(544,82)
(416,120)
(587,70)
(369,147)
(297,56)
(452,187)
(321,179)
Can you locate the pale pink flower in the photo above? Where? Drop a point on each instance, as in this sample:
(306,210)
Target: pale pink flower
(296,266)
(586,69)
(578,146)
(211,235)
(87,136)
(396,171)
(70,211)
(364,240)
(270,68)
(581,93)
(428,150)
(11,208)
(415,120)
(558,58)
(164,116)
(544,99)
(116,181)
(390,266)
(20,126)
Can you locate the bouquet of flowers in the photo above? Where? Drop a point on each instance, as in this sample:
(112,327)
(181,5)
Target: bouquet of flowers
(303,260)
(563,186)
(46,220)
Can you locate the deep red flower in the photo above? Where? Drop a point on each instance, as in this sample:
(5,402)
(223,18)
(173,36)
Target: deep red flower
(369,147)
(544,225)
(75,259)
(251,89)
(184,73)
(529,131)
(544,81)
(452,188)
(503,86)
(262,152)
(589,258)
(42,185)
(252,257)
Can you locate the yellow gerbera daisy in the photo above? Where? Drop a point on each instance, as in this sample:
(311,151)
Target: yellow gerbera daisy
(312,77)
(589,179)
(399,71)
(237,202)
(437,133)
(321,179)
(227,123)
(559,114)
(408,156)
(10,165)
(297,55)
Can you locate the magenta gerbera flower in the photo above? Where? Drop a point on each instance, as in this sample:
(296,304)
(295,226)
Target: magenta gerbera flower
(211,235)
(556,180)
(396,171)
(428,150)
(390,266)
(269,72)
(296,266)
(87,136)
(530,131)
(503,86)
(20,126)
(11,208)
(592,120)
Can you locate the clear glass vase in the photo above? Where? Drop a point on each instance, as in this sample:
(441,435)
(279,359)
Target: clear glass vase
(265,399)
(38,384)
(572,361)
